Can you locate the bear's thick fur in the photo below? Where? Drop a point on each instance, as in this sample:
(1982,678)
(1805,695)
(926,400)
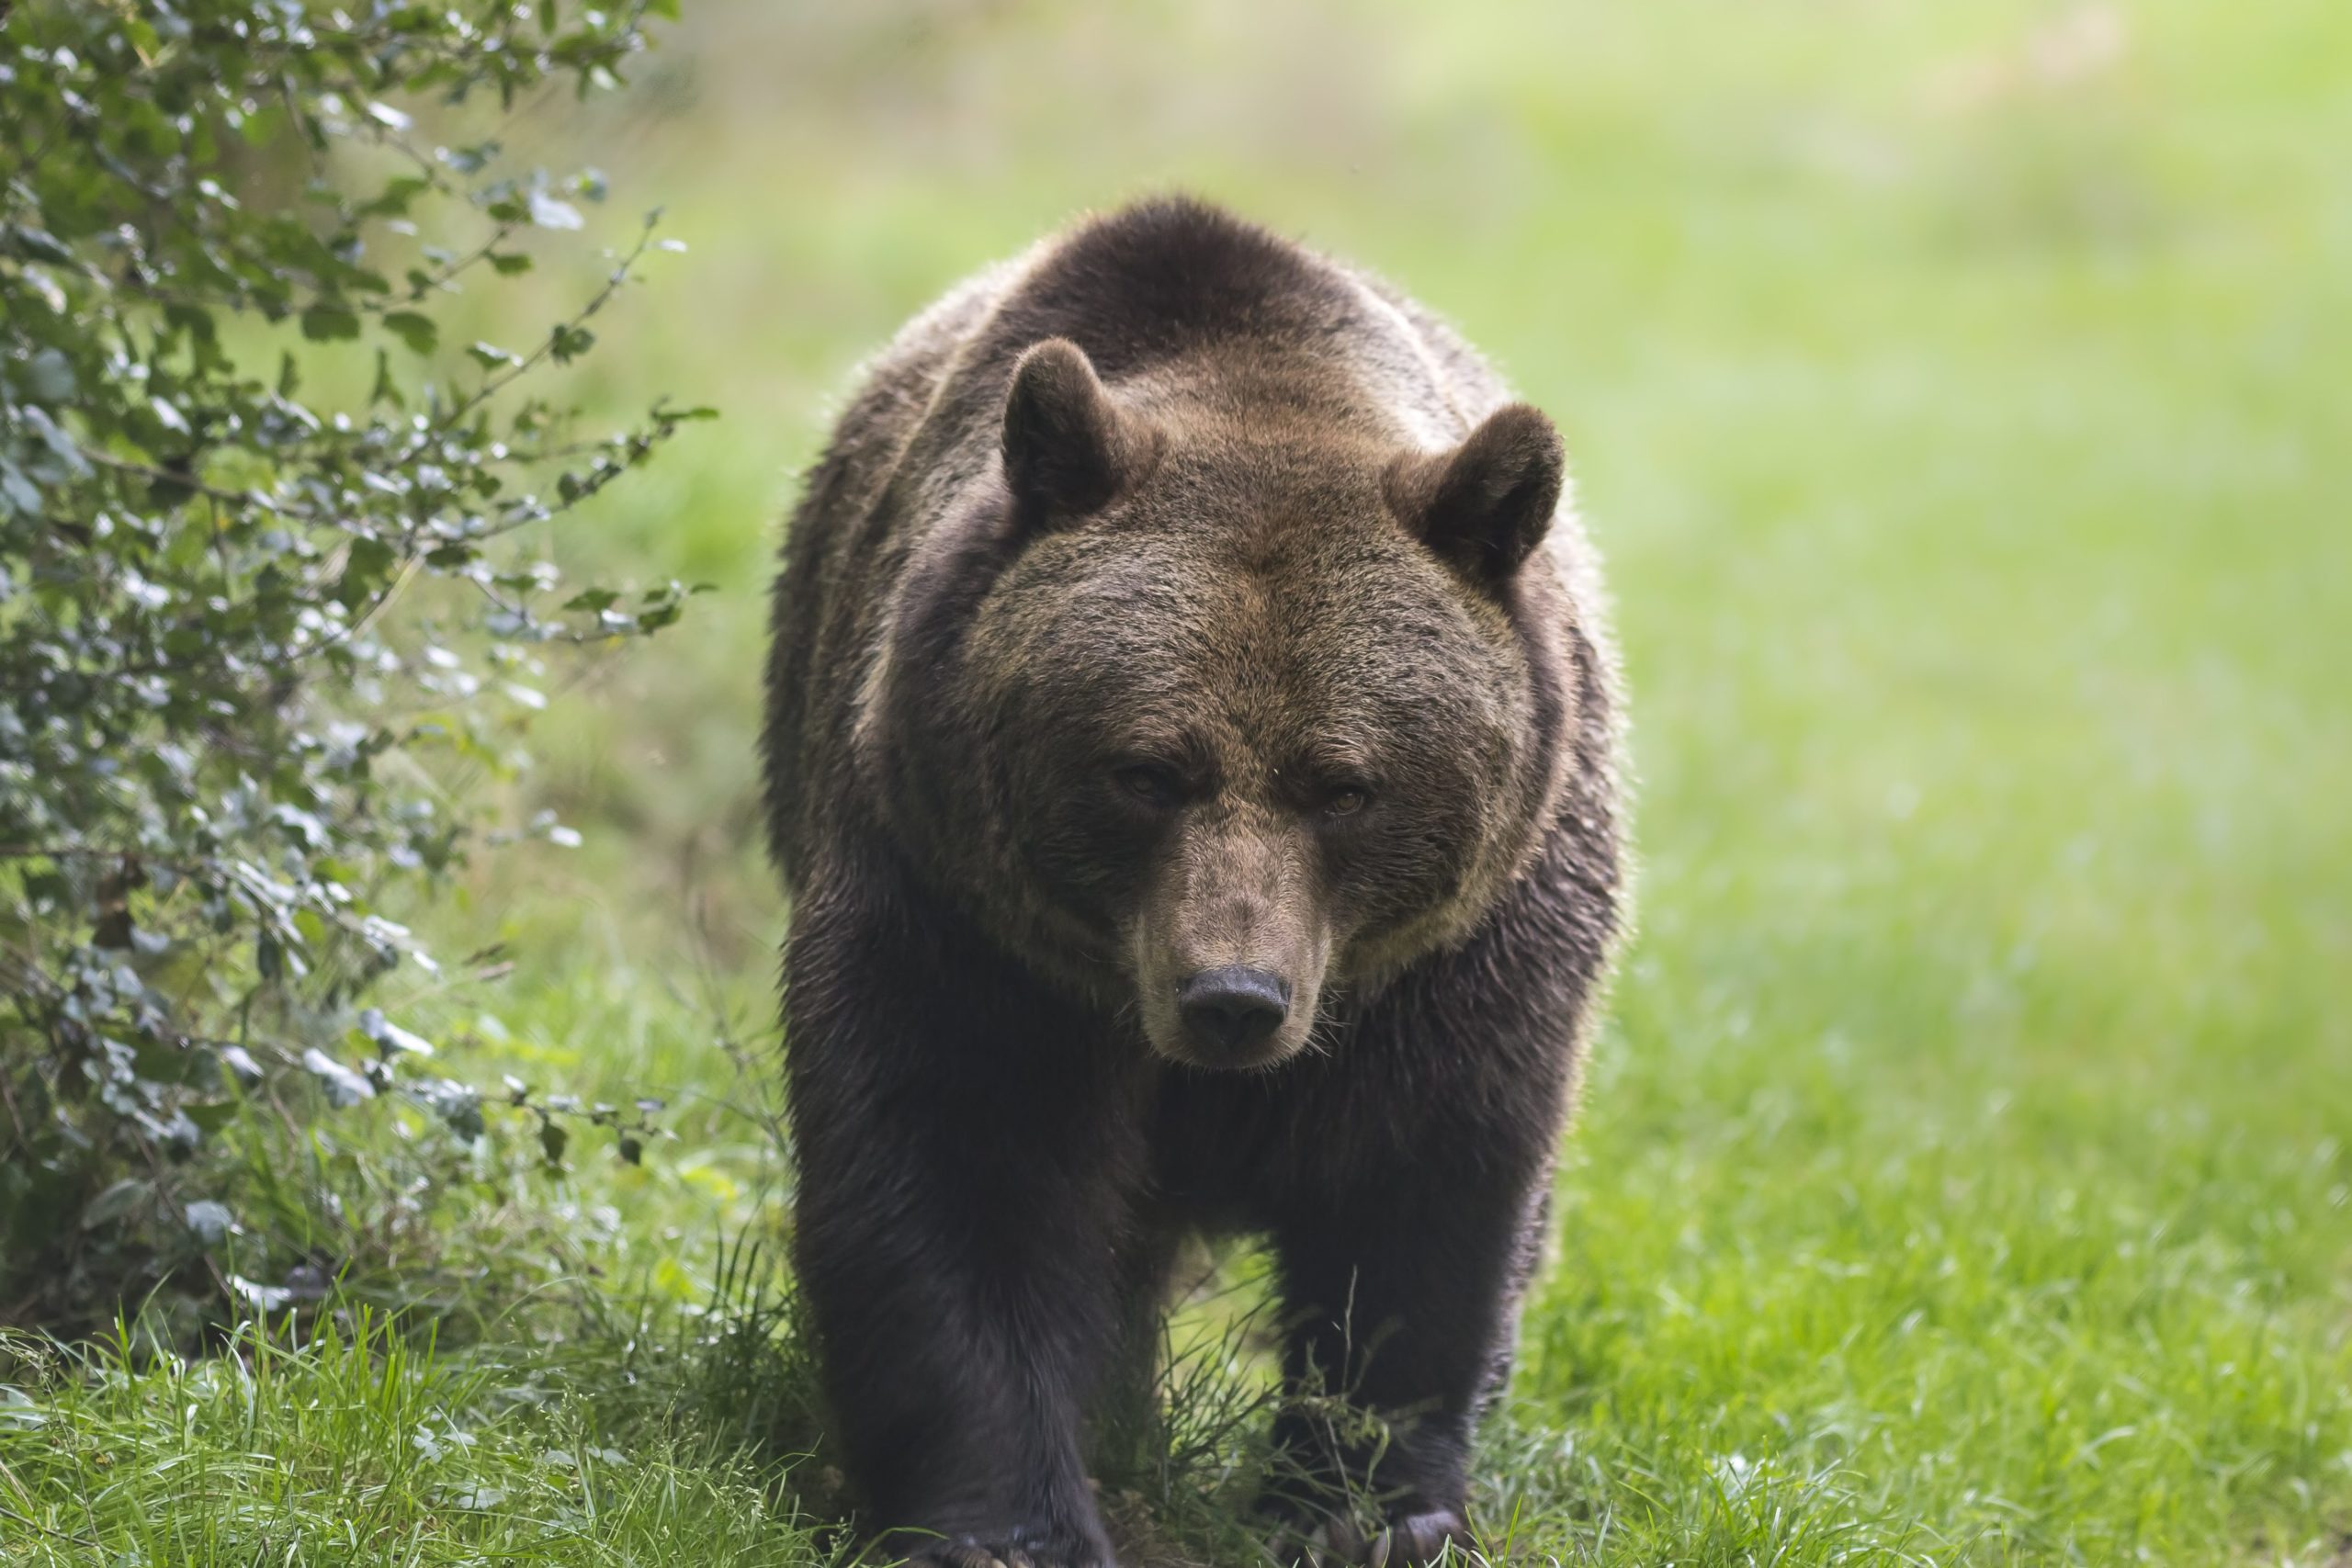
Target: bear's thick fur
(1191,755)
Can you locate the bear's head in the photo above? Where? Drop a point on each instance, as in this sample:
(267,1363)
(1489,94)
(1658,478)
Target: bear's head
(1249,704)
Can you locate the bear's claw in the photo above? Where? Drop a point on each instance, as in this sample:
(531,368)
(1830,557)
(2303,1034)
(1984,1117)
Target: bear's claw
(1412,1540)
(975,1551)
(972,1554)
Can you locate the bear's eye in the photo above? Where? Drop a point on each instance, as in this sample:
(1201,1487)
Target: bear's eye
(1151,783)
(1346,800)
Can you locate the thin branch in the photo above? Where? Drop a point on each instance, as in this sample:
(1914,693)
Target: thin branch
(497,382)
(190,483)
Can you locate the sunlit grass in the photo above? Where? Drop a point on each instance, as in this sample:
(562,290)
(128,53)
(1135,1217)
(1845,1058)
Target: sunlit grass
(359,1447)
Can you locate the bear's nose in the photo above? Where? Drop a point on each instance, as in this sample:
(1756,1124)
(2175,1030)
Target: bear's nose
(1233,1007)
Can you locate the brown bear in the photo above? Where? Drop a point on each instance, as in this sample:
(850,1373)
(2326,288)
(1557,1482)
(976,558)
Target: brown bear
(1192,756)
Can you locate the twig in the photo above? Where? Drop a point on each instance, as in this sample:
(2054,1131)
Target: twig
(190,483)
(497,382)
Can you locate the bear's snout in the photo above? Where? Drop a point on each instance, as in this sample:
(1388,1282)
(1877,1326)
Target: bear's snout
(1229,946)
(1233,1011)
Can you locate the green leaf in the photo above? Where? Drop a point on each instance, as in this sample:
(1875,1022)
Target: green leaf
(391,1036)
(551,212)
(210,1118)
(113,1203)
(36,244)
(48,376)
(344,1088)
(397,194)
(413,328)
(570,342)
(62,447)
(366,568)
(16,491)
(325,322)
(193,320)
(386,388)
(458,1105)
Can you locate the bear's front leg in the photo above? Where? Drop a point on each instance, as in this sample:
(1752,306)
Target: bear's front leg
(959,1142)
(1398,1292)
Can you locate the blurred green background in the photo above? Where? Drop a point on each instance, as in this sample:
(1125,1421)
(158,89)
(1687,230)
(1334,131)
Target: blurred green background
(1958,395)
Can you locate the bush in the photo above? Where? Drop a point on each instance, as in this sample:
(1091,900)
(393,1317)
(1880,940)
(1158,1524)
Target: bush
(254,642)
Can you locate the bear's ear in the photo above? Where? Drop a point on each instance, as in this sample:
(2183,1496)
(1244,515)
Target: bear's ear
(1068,449)
(1486,504)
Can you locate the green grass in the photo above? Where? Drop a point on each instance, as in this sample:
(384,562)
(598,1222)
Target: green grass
(1958,393)
(356,1448)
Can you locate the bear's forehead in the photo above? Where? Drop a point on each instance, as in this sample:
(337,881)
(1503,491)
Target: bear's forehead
(1242,469)
(1227,632)
(1269,593)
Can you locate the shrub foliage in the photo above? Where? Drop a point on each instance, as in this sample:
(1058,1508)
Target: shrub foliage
(253,638)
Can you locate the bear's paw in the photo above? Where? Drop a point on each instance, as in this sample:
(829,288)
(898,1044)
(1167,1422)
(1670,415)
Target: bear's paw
(1005,1551)
(1409,1540)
